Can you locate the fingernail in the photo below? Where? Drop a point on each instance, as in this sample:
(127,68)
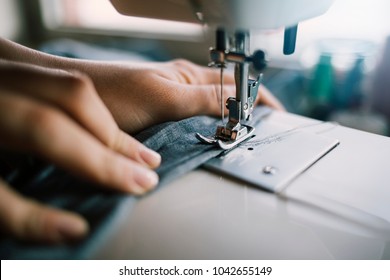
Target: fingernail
(72,228)
(150,157)
(145,178)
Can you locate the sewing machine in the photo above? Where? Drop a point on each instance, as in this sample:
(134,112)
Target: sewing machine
(336,209)
(233,21)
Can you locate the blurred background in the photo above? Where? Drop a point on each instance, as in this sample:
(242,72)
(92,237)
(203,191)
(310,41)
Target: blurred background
(339,72)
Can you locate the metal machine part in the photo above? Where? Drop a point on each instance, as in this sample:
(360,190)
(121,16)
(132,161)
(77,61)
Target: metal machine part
(268,161)
(235,17)
(247,83)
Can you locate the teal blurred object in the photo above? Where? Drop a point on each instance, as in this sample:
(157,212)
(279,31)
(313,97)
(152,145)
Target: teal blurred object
(381,84)
(321,88)
(350,92)
(339,70)
(322,84)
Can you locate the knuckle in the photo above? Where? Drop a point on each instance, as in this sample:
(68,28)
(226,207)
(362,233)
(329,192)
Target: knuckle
(39,224)
(33,224)
(79,89)
(116,141)
(76,89)
(122,143)
(180,62)
(214,95)
(41,124)
(113,171)
(77,81)
(216,91)
(216,98)
(27,221)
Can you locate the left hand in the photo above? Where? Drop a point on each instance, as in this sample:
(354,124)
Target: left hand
(59,116)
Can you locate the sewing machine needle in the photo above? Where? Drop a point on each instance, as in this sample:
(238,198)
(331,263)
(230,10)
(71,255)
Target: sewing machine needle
(222,101)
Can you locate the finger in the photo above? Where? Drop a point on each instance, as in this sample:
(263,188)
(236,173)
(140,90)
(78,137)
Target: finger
(133,149)
(28,220)
(200,99)
(199,75)
(190,73)
(211,75)
(53,135)
(206,99)
(75,94)
(265,97)
(210,98)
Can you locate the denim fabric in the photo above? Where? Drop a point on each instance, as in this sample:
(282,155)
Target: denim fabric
(180,150)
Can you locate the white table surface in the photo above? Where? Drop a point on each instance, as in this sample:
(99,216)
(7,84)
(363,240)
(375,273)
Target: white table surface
(338,209)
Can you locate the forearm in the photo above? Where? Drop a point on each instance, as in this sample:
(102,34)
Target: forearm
(103,74)
(11,51)
(139,95)
(17,53)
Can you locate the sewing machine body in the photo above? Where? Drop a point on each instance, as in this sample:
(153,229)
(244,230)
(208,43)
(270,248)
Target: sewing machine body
(233,21)
(231,14)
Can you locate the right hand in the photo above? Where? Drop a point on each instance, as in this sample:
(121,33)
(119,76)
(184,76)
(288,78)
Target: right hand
(59,116)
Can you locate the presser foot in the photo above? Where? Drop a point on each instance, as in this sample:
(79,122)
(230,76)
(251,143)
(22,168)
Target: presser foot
(227,139)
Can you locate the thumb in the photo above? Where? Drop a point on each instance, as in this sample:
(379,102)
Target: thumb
(265,97)
(206,99)
(28,220)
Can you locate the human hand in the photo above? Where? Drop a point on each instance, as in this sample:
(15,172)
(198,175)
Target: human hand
(141,95)
(59,116)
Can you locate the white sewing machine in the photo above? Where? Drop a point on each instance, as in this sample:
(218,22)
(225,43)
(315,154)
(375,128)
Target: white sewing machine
(336,209)
(233,21)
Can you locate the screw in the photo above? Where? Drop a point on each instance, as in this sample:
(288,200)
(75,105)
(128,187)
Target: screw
(269,170)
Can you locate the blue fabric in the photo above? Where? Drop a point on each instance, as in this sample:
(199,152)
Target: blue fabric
(180,150)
